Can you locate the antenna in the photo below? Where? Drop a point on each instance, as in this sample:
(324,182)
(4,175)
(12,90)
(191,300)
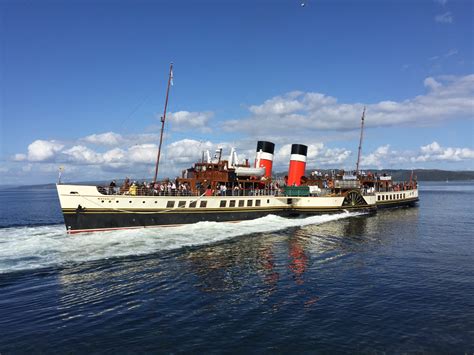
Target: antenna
(360,142)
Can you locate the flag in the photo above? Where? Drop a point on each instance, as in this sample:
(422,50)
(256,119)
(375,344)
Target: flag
(171,77)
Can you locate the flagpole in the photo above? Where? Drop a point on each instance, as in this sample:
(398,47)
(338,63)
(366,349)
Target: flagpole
(163,118)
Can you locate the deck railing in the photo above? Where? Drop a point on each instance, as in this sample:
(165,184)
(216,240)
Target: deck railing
(142,191)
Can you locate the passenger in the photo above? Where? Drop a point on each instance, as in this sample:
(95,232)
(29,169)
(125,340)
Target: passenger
(125,187)
(133,189)
(112,187)
(223,190)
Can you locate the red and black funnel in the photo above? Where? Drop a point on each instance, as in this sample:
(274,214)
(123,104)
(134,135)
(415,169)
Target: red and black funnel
(297,164)
(265,156)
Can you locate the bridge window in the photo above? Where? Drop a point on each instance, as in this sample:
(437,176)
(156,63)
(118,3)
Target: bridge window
(203,204)
(249,203)
(181,204)
(223,203)
(192,204)
(170,204)
(241,203)
(257,203)
(232,203)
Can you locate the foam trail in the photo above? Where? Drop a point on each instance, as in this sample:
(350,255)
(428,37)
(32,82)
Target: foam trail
(23,248)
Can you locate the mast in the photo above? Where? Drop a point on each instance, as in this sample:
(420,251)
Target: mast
(163,118)
(360,142)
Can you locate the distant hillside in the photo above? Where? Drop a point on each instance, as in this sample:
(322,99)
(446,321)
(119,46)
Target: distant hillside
(430,174)
(434,175)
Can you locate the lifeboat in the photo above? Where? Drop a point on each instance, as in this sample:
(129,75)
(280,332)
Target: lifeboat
(244,171)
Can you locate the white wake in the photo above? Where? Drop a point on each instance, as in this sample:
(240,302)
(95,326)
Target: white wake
(23,248)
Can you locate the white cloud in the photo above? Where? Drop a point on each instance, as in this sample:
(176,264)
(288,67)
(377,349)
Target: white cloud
(142,153)
(446,98)
(447,17)
(41,150)
(107,139)
(279,105)
(19,157)
(319,156)
(115,155)
(431,83)
(83,155)
(187,150)
(186,121)
(378,158)
(435,152)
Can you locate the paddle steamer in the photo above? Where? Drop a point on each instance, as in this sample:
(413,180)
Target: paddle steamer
(220,190)
(212,190)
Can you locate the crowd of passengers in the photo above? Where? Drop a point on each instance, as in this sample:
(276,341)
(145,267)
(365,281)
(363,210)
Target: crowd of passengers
(134,188)
(175,188)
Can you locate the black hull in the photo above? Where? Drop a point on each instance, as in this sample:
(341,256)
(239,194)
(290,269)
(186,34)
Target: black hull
(96,221)
(89,221)
(395,204)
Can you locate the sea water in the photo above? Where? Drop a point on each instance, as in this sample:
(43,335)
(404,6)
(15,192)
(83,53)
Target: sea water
(398,281)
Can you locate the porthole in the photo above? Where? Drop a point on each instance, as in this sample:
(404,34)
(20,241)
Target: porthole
(129,201)
(143,202)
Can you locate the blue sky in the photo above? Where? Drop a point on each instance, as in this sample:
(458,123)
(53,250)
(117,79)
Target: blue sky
(83,84)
